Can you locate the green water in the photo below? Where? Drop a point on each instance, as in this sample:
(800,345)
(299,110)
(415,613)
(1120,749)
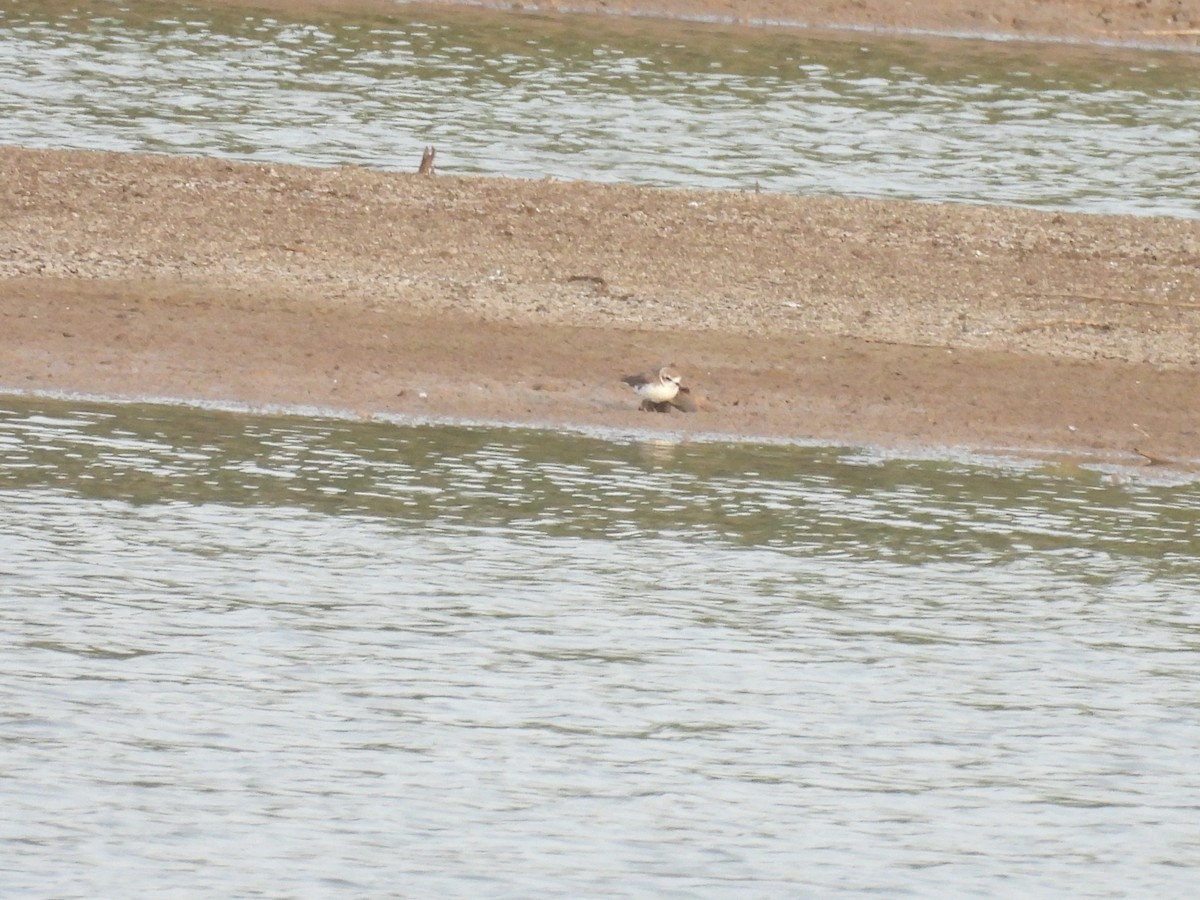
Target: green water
(573,485)
(287,655)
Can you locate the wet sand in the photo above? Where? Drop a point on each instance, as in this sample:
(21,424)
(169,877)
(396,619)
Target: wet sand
(846,321)
(1166,23)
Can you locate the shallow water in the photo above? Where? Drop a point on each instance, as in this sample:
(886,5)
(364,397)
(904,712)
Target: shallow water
(295,656)
(673,104)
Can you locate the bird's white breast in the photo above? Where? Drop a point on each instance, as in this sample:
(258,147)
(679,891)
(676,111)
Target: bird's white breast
(658,391)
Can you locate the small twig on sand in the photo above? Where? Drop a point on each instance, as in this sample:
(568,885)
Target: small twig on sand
(1152,460)
(596,281)
(1056,323)
(1134,301)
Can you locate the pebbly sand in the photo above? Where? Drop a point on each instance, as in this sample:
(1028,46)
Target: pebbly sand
(844,321)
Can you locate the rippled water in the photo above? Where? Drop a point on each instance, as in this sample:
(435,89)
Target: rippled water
(664,104)
(287,656)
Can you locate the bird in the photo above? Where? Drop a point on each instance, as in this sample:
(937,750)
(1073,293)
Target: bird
(426,167)
(656,387)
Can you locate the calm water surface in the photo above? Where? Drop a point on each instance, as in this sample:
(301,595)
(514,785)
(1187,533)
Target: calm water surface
(672,104)
(283,656)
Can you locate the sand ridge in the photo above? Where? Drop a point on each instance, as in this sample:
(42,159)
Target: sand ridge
(838,320)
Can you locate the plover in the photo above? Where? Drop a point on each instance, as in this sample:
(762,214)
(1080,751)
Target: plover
(657,386)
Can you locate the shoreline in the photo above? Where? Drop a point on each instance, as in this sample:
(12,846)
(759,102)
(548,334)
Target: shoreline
(1119,465)
(1169,26)
(870,323)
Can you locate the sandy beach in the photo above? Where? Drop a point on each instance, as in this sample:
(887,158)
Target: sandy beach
(902,324)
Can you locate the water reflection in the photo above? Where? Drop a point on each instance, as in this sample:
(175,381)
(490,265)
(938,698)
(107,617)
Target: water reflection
(666,104)
(794,498)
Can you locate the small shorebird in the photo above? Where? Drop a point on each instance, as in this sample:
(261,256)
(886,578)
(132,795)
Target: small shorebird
(426,167)
(656,386)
